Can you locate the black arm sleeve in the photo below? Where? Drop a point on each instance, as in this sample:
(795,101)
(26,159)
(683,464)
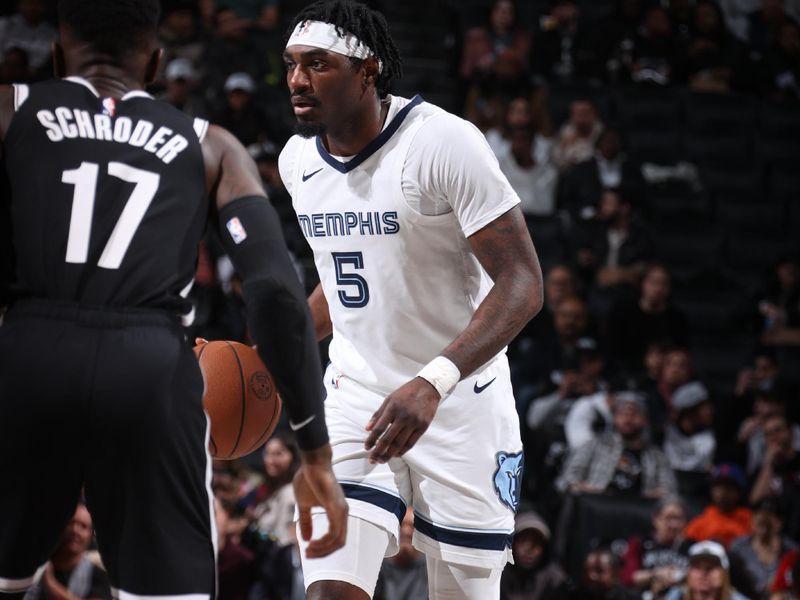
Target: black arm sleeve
(277,312)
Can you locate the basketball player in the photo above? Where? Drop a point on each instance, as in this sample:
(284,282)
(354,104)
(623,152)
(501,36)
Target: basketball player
(98,385)
(427,272)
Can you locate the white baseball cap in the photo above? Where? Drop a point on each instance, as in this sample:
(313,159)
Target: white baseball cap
(711,549)
(240,81)
(179,68)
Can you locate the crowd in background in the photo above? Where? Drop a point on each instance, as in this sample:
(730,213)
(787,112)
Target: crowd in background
(653,145)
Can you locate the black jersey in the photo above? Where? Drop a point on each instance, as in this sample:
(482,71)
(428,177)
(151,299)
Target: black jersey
(109,198)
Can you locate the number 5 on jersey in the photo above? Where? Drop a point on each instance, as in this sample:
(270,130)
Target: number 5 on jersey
(359,297)
(84,178)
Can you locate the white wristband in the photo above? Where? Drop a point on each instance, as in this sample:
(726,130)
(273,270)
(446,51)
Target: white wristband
(442,374)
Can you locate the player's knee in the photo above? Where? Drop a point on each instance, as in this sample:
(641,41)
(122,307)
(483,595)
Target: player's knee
(335,590)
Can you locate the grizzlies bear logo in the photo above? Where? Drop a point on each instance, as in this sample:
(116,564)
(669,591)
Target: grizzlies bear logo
(508,478)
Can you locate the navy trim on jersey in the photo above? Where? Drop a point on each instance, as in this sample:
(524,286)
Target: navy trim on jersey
(482,540)
(379,498)
(373,146)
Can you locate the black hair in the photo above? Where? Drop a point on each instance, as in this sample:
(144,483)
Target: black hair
(112,27)
(367,25)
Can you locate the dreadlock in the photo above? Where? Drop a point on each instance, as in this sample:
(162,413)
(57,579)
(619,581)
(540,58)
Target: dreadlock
(367,25)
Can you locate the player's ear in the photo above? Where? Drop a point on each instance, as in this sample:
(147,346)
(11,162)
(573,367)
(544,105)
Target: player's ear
(152,65)
(59,64)
(371,70)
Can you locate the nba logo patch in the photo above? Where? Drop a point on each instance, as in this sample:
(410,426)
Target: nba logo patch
(109,107)
(508,478)
(236,230)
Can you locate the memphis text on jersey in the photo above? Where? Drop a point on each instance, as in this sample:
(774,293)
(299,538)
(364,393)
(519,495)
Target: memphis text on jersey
(349,223)
(67,123)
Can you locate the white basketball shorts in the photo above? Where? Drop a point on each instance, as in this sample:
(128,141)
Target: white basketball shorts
(463,476)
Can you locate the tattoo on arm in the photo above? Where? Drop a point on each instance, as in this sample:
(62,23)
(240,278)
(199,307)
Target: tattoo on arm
(505,250)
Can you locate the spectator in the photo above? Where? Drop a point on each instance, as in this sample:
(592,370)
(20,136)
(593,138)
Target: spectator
(231,50)
(533,181)
(520,113)
(403,576)
(274,511)
(600,578)
(707,577)
(180,34)
(736,14)
(779,475)
(712,60)
(608,168)
(70,573)
(781,307)
(541,359)
(755,558)
(676,371)
(15,67)
(534,575)
(28,30)
(592,414)
(564,49)
(724,519)
(235,563)
(761,375)
(620,461)
(612,250)
(653,49)
(181,80)
(545,439)
(764,25)
(576,139)
(767,404)
(633,325)
(241,116)
(559,283)
(786,585)
(689,442)
(658,561)
(500,48)
(781,65)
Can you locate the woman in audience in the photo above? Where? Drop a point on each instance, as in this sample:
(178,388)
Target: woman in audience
(707,577)
(755,557)
(658,561)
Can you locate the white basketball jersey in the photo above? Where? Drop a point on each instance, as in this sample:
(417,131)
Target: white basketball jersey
(400,285)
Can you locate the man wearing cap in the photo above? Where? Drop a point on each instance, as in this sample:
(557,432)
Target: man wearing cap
(534,575)
(689,441)
(724,519)
(241,116)
(621,461)
(181,79)
(708,575)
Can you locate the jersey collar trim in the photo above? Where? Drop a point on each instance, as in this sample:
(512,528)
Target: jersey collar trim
(373,146)
(84,83)
(136,94)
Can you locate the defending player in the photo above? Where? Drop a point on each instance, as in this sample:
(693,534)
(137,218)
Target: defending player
(98,385)
(427,271)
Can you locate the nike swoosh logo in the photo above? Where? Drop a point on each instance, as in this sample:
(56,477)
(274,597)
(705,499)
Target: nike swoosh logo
(301,424)
(310,175)
(479,388)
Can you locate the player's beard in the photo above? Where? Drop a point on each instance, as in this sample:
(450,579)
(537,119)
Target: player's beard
(309,129)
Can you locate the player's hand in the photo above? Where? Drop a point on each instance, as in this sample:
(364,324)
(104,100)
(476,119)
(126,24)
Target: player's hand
(401,420)
(315,485)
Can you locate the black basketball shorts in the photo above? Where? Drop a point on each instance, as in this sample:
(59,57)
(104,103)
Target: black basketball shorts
(108,401)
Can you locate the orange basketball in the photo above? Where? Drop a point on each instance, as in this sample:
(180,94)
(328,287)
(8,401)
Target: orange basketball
(241,399)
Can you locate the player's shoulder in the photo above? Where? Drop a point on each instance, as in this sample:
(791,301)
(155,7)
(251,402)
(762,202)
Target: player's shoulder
(289,158)
(442,127)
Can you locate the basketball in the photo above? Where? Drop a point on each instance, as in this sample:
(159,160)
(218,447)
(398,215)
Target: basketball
(240,398)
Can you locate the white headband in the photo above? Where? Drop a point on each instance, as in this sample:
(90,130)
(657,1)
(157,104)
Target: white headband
(324,35)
